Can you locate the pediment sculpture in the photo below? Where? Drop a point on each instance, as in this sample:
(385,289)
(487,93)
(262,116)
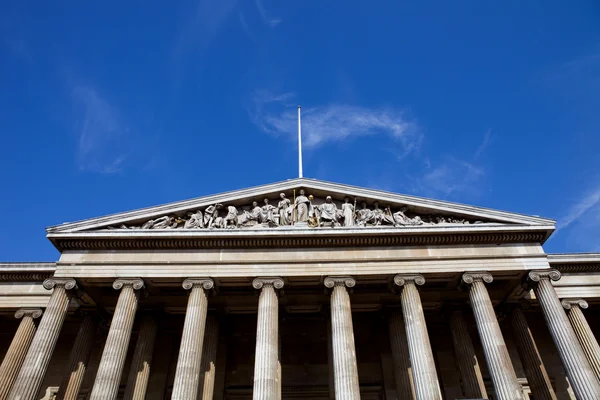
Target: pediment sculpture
(300,211)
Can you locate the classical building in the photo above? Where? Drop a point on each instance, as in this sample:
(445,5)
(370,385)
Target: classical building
(302,289)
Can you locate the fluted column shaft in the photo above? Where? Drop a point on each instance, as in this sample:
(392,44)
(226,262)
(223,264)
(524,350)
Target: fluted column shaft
(425,379)
(496,354)
(187,373)
(11,364)
(209,359)
(108,377)
(139,372)
(468,365)
(266,361)
(78,359)
(537,377)
(405,389)
(345,369)
(584,333)
(579,371)
(33,370)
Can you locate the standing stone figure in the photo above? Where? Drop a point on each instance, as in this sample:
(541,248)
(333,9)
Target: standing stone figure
(348,212)
(231,218)
(285,210)
(266,214)
(255,213)
(328,212)
(365,215)
(211,214)
(302,203)
(194,221)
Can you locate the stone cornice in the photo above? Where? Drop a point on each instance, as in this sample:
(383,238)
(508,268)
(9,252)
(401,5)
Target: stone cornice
(297,238)
(26,271)
(575,262)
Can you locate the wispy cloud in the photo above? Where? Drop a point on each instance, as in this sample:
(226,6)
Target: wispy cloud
(484,144)
(102,135)
(265,17)
(584,205)
(276,114)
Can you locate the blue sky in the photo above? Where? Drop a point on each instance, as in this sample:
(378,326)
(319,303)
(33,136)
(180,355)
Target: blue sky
(111,106)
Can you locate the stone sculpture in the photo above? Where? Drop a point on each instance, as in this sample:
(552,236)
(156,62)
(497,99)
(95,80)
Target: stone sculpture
(305,211)
(328,213)
(285,210)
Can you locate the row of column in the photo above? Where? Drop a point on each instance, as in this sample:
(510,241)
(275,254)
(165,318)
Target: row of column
(26,362)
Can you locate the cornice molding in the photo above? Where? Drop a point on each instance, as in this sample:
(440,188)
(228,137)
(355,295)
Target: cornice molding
(299,239)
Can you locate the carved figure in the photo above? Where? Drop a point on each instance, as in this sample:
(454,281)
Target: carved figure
(195,220)
(255,212)
(401,219)
(381,217)
(164,222)
(302,204)
(211,214)
(328,212)
(231,218)
(266,213)
(365,216)
(348,212)
(285,210)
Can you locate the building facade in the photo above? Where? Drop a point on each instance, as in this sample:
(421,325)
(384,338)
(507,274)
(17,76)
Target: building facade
(302,289)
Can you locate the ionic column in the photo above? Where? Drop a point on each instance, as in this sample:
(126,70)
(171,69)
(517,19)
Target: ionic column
(139,372)
(345,370)
(187,373)
(584,333)
(425,379)
(78,359)
(537,377)
(494,348)
(33,370)
(405,389)
(11,364)
(579,371)
(266,376)
(209,359)
(468,365)
(108,377)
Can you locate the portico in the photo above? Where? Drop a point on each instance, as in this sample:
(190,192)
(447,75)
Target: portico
(385,307)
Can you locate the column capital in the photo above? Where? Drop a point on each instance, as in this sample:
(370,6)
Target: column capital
(332,281)
(275,282)
(403,279)
(135,283)
(537,276)
(67,283)
(29,312)
(470,277)
(570,303)
(205,283)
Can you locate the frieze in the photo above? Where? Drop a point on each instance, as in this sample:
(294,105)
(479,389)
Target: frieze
(302,211)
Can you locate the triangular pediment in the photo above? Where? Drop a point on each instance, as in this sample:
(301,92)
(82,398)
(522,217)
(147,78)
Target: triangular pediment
(349,208)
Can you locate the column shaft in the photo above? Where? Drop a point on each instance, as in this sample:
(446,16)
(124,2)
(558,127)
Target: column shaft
(584,332)
(78,359)
(496,354)
(537,377)
(405,389)
(187,373)
(33,371)
(579,371)
(108,377)
(425,378)
(139,372)
(209,360)
(266,376)
(344,352)
(13,360)
(468,365)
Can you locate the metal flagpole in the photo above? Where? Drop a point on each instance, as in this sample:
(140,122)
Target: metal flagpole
(299,145)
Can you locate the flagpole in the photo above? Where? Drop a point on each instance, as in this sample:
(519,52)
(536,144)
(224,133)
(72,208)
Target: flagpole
(299,145)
